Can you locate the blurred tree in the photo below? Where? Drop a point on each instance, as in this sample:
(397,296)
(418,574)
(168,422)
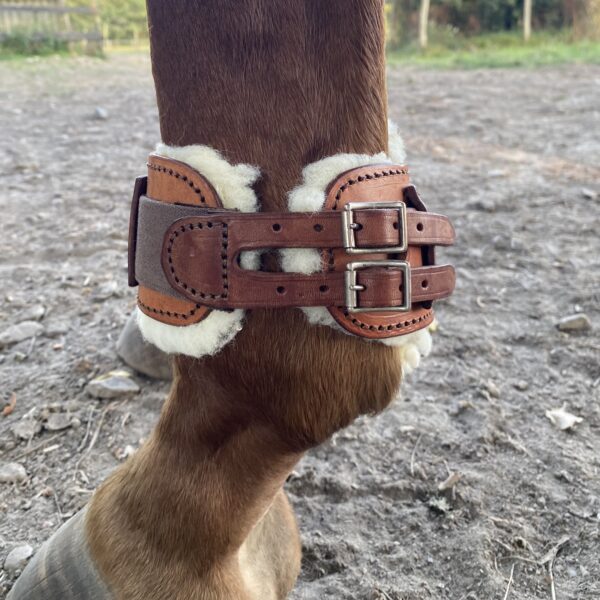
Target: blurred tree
(125,19)
(586,22)
(527,12)
(397,12)
(423,23)
(121,19)
(478,16)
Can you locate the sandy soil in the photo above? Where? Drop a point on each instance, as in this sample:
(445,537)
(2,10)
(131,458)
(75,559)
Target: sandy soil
(512,156)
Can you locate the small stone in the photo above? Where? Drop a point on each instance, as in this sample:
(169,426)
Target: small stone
(33,313)
(72,406)
(522,385)
(18,558)
(483,205)
(124,453)
(577,322)
(116,384)
(58,422)
(26,429)
(438,504)
(12,473)
(572,572)
(589,194)
(20,332)
(563,419)
(56,329)
(492,389)
(101,114)
(105,291)
(8,445)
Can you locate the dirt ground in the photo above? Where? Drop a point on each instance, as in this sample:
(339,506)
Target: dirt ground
(513,157)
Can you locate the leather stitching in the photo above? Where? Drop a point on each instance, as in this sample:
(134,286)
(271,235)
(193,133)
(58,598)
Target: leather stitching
(366,177)
(181,177)
(189,228)
(391,327)
(168,313)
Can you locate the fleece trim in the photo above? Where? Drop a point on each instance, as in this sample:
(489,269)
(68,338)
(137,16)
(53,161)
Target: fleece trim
(233,184)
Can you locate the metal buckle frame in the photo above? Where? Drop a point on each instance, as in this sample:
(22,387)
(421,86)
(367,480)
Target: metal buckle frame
(349,227)
(353,287)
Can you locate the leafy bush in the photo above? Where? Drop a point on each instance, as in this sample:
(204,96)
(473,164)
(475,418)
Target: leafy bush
(121,19)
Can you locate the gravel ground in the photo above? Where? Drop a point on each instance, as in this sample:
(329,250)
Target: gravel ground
(512,156)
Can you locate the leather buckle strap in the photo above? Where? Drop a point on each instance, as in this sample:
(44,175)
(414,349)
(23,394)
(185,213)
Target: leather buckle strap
(353,287)
(200,254)
(350,226)
(200,259)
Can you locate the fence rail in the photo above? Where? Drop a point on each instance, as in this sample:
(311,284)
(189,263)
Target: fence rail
(62,36)
(48,8)
(51,19)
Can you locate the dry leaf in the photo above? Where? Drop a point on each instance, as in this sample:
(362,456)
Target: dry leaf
(452,480)
(10,407)
(561,419)
(551,554)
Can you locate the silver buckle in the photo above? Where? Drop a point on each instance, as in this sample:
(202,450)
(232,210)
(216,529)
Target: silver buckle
(352,286)
(349,227)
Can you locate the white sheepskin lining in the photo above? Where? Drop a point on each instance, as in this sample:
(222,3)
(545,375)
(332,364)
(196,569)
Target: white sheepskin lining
(310,196)
(233,184)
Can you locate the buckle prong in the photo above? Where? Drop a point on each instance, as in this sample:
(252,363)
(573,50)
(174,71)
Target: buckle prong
(353,287)
(349,227)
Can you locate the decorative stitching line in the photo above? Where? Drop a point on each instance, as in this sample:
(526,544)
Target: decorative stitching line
(180,176)
(168,313)
(190,227)
(367,177)
(391,327)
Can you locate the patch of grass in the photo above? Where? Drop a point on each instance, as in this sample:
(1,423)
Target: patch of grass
(20,44)
(498,50)
(26,44)
(133,48)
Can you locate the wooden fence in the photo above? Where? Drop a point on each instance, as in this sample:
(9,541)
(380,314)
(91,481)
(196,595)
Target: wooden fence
(52,19)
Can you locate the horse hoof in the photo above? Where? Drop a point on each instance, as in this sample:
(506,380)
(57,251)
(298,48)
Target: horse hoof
(140,355)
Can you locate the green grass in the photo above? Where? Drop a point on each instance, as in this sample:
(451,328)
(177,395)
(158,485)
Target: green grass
(20,44)
(19,48)
(449,50)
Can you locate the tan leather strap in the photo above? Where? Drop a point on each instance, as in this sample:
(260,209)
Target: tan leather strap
(379,278)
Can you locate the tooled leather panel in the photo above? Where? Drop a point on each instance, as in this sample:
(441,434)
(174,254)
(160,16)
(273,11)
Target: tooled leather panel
(172,181)
(376,183)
